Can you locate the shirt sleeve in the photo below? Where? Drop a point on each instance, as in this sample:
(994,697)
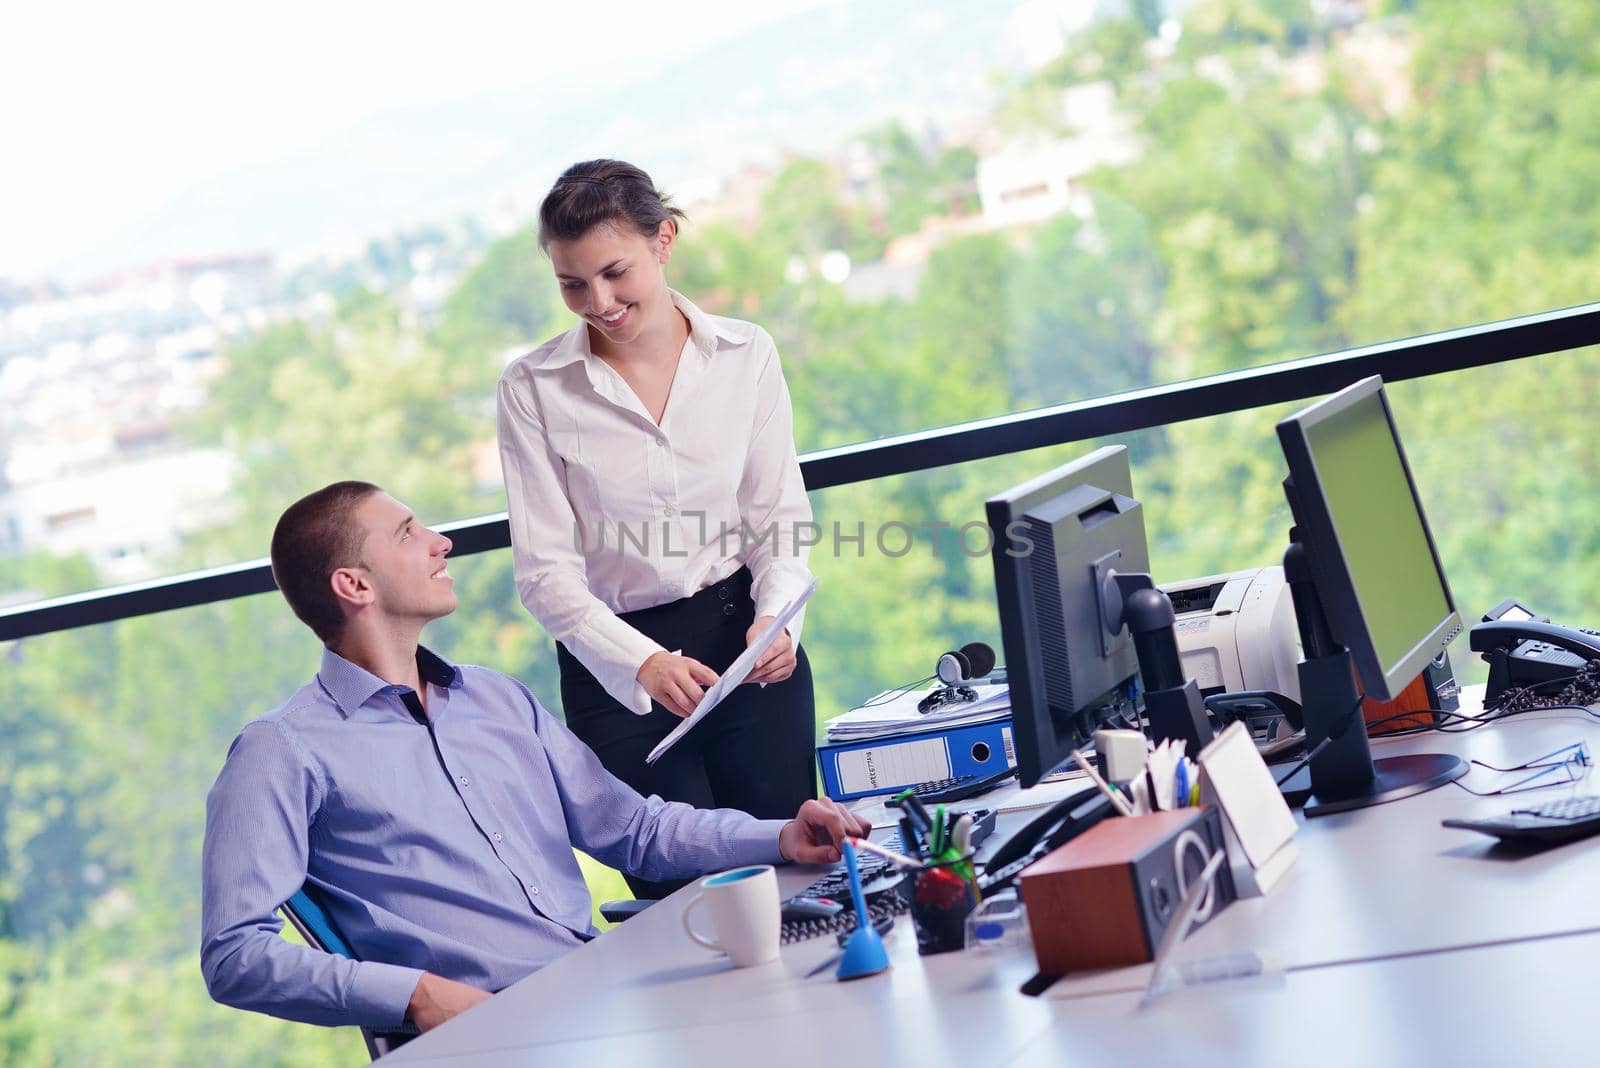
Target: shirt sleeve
(258,816)
(772,499)
(550,573)
(645,836)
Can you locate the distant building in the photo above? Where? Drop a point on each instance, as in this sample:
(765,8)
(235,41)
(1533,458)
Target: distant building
(1029,180)
(160,298)
(127,515)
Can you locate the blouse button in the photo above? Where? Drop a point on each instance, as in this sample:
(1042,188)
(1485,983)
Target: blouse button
(728,609)
(724,593)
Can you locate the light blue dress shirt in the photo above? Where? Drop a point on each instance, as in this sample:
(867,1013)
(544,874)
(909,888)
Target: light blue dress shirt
(443,848)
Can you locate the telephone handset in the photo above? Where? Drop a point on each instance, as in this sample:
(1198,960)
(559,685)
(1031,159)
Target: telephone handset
(1522,647)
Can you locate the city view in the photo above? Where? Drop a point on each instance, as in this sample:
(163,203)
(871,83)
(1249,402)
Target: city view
(941,211)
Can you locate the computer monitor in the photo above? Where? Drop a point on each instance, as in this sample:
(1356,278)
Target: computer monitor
(1368,588)
(1368,540)
(1067,673)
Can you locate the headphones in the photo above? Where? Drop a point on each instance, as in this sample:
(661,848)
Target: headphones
(972,661)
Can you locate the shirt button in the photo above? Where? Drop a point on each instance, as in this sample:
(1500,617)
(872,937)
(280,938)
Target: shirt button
(498,837)
(534,890)
(661,442)
(729,609)
(465,781)
(669,511)
(724,593)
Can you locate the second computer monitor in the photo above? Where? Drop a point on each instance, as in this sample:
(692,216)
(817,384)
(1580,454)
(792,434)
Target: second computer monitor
(1382,586)
(1054,538)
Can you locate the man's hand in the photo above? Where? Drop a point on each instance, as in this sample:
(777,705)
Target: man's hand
(677,681)
(777,660)
(818,831)
(436,999)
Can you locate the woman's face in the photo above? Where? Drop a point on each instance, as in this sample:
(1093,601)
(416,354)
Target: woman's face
(611,278)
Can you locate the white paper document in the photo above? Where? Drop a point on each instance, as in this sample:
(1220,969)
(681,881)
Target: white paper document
(895,712)
(737,672)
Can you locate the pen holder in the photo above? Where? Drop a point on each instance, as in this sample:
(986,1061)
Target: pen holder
(942,894)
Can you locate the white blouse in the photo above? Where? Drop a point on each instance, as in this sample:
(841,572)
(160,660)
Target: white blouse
(611,513)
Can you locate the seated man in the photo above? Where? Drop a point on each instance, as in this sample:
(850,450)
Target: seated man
(434,806)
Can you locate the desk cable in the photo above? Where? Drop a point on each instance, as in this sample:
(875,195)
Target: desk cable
(1339,730)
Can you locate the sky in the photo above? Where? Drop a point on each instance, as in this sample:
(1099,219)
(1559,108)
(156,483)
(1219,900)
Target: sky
(112,108)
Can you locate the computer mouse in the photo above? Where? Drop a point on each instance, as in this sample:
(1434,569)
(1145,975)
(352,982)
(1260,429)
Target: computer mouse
(810,908)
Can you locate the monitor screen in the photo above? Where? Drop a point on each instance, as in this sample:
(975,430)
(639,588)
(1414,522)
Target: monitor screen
(1053,539)
(1372,554)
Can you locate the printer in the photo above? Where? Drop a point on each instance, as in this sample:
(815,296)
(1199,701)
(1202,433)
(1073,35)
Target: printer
(1238,632)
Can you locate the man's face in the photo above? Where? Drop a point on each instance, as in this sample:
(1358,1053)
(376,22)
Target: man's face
(404,562)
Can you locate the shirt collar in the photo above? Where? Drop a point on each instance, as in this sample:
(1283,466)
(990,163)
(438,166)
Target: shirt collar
(352,686)
(704,332)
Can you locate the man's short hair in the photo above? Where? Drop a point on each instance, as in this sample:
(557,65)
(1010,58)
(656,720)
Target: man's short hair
(315,537)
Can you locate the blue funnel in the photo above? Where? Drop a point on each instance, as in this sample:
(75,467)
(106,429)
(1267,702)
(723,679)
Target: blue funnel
(863,950)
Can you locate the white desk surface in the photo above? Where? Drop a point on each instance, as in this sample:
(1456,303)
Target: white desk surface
(1369,888)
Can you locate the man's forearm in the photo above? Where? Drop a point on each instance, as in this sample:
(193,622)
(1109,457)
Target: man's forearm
(260,972)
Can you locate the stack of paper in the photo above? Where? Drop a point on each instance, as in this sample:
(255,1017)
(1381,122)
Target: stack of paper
(737,672)
(887,715)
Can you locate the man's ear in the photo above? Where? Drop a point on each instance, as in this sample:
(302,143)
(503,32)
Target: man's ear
(352,586)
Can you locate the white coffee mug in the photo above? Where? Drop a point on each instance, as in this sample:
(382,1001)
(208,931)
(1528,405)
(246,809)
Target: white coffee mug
(744,912)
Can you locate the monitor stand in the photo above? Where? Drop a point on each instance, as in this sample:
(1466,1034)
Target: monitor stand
(1172,702)
(1343,774)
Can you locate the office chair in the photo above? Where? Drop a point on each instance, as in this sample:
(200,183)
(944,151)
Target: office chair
(307,916)
(617,911)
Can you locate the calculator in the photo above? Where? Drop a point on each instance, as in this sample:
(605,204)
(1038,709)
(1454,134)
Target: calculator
(1553,821)
(959,787)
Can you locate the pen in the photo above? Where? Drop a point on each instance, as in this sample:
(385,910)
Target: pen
(941,826)
(887,854)
(1180,785)
(1117,801)
(909,838)
(961,844)
(911,805)
(962,836)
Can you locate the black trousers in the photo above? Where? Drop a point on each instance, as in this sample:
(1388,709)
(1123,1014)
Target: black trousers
(754,752)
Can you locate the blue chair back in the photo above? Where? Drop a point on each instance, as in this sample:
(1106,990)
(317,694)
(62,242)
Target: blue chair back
(308,917)
(315,925)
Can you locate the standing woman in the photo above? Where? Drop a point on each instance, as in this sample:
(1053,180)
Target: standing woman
(654,499)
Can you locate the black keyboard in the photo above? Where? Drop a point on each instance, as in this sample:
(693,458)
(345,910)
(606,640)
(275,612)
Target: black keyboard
(1553,821)
(880,883)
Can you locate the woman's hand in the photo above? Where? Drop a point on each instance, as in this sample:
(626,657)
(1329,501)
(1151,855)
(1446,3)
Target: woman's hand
(777,660)
(676,681)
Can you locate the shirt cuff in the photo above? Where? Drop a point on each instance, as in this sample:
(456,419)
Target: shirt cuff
(757,842)
(614,657)
(778,588)
(380,993)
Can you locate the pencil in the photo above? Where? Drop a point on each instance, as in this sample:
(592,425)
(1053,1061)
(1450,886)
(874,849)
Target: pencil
(1117,800)
(888,854)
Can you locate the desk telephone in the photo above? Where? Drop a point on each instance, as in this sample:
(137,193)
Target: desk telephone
(1522,647)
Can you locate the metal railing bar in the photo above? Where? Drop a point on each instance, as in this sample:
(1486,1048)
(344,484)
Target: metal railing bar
(1139,409)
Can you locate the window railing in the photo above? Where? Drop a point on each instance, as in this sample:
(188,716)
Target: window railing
(1312,376)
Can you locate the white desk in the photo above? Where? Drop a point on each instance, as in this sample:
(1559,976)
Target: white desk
(1370,886)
